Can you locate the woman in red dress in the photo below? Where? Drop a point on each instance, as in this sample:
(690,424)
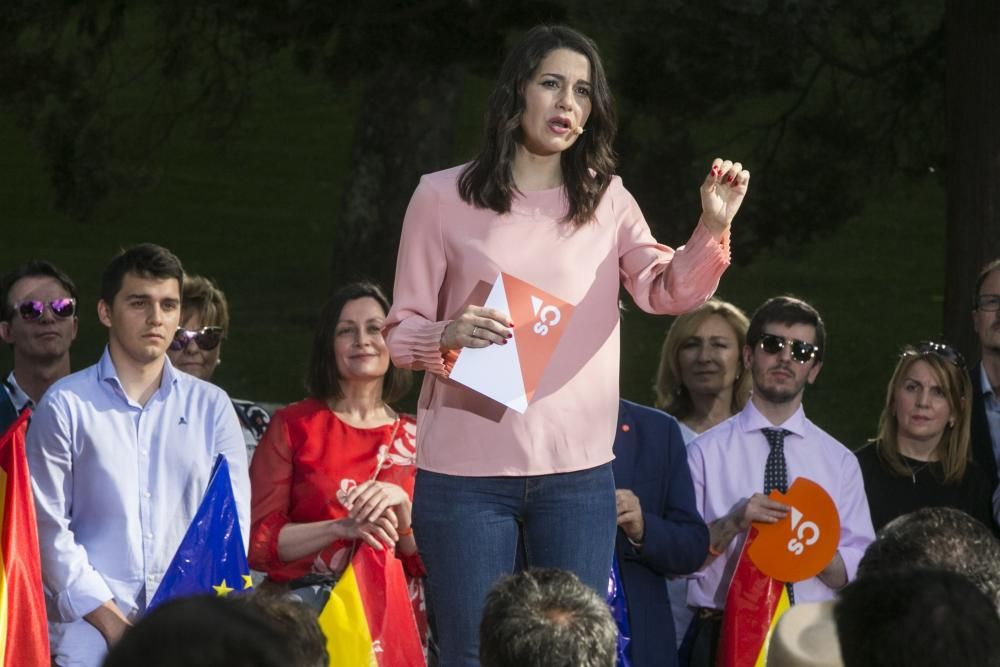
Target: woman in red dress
(336,470)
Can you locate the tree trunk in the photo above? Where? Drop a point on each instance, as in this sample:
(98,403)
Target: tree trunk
(405,128)
(973,180)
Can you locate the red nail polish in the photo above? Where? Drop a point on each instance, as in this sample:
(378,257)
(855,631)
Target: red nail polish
(729,178)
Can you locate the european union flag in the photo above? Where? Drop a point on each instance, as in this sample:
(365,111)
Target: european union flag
(211,555)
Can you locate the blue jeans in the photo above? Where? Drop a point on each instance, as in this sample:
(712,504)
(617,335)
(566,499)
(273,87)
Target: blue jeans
(467,532)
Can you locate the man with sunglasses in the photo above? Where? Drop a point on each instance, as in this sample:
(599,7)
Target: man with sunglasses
(767,446)
(985,376)
(39,323)
(120,457)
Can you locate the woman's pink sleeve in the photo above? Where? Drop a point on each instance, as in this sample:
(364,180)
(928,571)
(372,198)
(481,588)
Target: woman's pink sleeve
(662,280)
(413,327)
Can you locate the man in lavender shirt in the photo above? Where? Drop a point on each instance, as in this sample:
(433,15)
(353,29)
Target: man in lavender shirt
(784,352)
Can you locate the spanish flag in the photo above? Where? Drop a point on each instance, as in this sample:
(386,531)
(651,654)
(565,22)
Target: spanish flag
(368,619)
(754,604)
(24,634)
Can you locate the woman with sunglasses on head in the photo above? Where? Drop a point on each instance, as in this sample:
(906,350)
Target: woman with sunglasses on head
(335,471)
(921,456)
(541,203)
(197,347)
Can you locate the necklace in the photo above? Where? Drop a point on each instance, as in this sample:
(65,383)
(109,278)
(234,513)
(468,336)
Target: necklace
(914,470)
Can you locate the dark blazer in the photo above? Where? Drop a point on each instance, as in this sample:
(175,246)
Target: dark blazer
(981,442)
(651,461)
(7,412)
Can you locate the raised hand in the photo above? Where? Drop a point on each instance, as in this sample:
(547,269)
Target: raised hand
(722,194)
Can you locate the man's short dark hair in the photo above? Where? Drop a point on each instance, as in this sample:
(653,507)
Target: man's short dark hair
(35,268)
(914,618)
(938,537)
(787,310)
(203,631)
(147,260)
(546,618)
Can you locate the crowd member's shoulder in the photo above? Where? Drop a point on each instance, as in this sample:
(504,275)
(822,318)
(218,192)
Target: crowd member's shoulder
(299,410)
(640,412)
(830,443)
(75,387)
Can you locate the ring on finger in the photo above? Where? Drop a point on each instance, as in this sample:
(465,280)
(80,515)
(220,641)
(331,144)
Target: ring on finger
(474,330)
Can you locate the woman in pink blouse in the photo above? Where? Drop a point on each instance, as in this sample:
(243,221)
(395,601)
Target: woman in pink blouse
(541,203)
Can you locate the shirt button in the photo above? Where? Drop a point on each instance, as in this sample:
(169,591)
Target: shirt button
(149,536)
(146,494)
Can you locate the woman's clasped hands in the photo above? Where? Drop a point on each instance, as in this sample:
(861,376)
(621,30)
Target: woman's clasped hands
(378,512)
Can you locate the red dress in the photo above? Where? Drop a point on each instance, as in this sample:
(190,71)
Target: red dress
(305,464)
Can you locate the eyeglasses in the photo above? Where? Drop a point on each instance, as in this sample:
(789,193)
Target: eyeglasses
(206,338)
(801,351)
(943,350)
(31,309)
(988,302)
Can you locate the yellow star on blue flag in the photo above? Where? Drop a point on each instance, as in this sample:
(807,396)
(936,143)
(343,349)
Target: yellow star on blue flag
(212,549)
(222,590)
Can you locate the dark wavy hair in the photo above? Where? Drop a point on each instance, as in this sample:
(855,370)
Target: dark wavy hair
(322,380)
(587,165)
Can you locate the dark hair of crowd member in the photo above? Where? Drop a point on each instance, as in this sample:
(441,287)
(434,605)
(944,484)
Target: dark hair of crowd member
(322,381)
(35,268)
(587,165)
(542,617)
(147,260)
(202,631)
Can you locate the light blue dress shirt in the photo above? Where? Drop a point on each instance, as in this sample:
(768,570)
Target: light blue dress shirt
(992,411)
(116,485)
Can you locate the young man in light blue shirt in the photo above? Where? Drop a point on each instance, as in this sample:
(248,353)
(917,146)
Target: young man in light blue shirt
(120,456)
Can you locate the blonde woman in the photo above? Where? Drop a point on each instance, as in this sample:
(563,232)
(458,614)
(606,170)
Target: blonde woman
(701,380)
(921,455)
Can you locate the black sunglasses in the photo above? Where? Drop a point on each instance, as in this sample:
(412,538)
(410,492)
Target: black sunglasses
(943,350)
(801,351)
(32,309)
(206,338)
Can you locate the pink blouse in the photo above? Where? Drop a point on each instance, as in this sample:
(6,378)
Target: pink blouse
(449,255)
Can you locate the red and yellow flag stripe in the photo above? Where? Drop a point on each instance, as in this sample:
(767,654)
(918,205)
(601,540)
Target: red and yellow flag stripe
(754,603)
(24,638)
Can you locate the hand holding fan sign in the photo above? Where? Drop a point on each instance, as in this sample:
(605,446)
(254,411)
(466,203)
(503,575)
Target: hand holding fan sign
(804,542)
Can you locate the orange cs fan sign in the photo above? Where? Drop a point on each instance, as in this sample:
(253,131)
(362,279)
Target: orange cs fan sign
(804,542)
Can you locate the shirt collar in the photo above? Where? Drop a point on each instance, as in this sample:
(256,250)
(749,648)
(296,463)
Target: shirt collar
(17,395)
(750,419)
(106,372)
(984,381)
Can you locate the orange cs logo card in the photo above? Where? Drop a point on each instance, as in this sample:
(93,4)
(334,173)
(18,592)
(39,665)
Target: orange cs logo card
(510,374)
(804,542)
